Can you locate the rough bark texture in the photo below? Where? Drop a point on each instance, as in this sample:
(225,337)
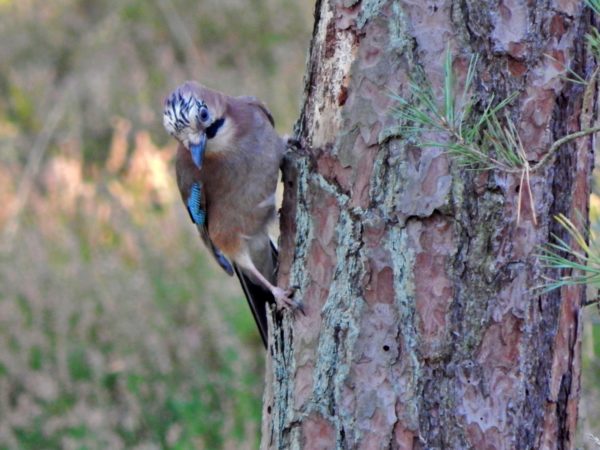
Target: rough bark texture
(421,327)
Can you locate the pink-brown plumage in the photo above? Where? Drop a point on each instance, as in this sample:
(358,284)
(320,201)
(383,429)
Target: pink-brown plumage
(238,176)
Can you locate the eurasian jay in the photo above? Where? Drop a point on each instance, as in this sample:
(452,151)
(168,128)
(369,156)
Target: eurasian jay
(227,166)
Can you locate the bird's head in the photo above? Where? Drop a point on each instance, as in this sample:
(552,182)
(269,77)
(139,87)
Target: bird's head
(193,114)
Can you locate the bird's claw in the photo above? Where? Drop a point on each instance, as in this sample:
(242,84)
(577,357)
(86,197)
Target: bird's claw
(295,147)
(294,143)
(284,300)
(298,306)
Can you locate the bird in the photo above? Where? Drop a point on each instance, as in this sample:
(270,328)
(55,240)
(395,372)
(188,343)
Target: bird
(227,167)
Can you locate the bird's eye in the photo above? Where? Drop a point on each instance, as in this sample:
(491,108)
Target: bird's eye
(204,115)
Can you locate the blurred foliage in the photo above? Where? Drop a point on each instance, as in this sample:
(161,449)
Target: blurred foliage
(120,58)
(115,332)
(116,329)
(589,408)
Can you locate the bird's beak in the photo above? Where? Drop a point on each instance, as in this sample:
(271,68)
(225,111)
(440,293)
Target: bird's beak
(197,151)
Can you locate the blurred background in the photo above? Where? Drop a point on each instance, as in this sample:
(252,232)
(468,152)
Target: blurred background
(589,406)
(116,329)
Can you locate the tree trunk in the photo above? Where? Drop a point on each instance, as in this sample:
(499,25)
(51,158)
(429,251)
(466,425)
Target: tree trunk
(422,328)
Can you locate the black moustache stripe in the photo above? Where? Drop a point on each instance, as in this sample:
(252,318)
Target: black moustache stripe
(216,125)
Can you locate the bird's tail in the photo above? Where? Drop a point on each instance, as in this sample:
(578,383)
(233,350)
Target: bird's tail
(258,296)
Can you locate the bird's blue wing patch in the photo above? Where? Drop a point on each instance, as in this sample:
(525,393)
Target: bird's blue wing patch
(198,215)
(194,205)
(219,257)
(223,262)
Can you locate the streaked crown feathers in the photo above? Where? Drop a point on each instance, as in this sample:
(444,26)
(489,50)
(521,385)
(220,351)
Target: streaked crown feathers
(181,111)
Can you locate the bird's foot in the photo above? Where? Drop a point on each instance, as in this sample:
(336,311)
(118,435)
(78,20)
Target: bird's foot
(283,297)
(295,147)
(293,143)
(284,300)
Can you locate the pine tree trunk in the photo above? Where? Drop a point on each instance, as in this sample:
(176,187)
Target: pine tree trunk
(422,329)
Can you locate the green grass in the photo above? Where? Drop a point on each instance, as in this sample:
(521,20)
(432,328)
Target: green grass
(138,340)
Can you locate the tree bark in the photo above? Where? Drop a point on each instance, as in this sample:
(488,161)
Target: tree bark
(422,327)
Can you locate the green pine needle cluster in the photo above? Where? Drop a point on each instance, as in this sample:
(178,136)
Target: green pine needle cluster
(581,261)
(593,38)
(473,140)
(577,260)
(489,140)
